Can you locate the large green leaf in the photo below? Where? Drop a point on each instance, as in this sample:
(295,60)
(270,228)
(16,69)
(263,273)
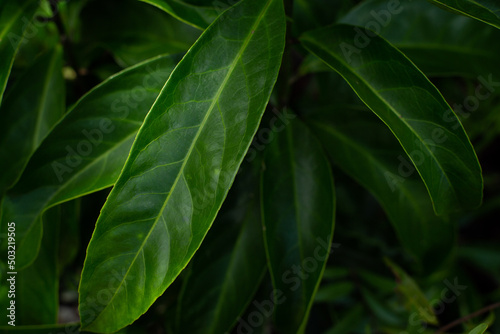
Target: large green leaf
(85,152)
(37,286)
(199,16)
(366,150)
(443,43)
(182,163)
(24,122)
(487,11)
(15,17)
(298,212)
(227,270)
(394,89)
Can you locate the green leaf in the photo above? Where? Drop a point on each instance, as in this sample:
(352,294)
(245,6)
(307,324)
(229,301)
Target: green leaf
(24,122)
(130,37)
(85,152)
(415,300)
(199,16)
(487,11)
(479,329)
(298,210)
(15,17)
(366,150)
(37,286)
(443,44)
(227,270)
(182,163)
(348,322)
(411,107)
(334,291)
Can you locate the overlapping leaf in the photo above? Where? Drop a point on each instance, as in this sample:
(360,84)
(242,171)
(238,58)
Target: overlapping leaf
(128,36)
(182,164)
(366,150)
(298,212)
(15,17)
(24,122)
(443,43)
(412,108)
(487,11)
(85,152)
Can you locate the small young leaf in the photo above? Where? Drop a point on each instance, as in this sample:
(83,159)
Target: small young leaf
(480,329)
(298,213)
(414,298)
(394,89)
(182,164)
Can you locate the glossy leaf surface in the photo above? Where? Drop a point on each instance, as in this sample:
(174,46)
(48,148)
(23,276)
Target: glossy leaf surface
(24,122)
(445,44)
(298,212)
(91,143)
(396,91)
(366,150)
(182,163)
(487,11)
(15,17)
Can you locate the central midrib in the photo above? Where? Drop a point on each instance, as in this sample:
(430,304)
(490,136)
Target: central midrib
(181,170)
(396,113)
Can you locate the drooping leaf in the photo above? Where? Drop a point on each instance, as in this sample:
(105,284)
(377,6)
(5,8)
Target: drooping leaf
(37,286)
(396,91)
(129,36)
(228,268)
(487,11)
(414,298)
(298,212)
(443,44)
(182,163)
(85,152)
(30,109)
(15,17)
(199,16)
(367,151)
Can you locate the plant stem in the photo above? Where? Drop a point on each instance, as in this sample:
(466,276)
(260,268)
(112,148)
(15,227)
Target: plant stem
(65,41)
(467,317)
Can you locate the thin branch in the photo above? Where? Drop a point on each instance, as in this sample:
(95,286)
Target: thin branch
(467,317)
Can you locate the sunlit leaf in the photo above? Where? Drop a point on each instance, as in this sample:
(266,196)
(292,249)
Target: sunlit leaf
(411,107)
(182,164)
